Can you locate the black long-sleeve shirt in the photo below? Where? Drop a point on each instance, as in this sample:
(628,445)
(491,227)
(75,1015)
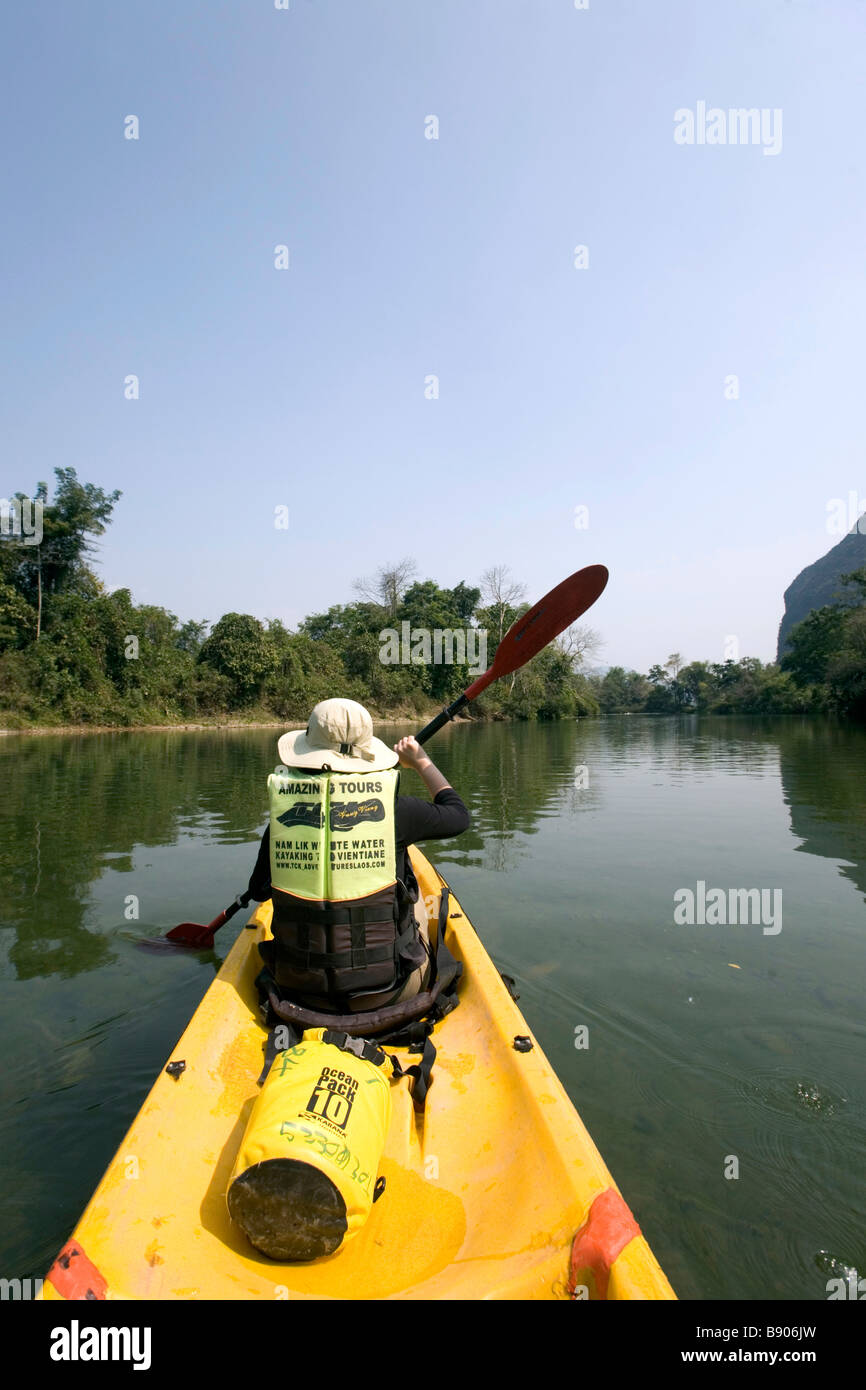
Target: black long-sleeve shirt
(415,819)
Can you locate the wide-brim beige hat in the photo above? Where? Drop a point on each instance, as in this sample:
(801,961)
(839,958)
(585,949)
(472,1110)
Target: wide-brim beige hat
(339,736)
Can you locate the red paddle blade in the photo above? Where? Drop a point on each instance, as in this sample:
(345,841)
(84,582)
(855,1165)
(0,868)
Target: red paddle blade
(195,933)
(162,944)
(550,616)
(191,934)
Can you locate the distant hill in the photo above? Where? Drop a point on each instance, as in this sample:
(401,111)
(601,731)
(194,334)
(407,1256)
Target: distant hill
(818,583)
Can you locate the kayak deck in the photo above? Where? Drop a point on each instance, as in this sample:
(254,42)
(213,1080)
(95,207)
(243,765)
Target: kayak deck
(485,1191)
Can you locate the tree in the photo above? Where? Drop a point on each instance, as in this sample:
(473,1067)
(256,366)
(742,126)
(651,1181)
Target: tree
(580,644)
(846,670)
(813,643)
(302,673)
(428,608)
(464,600)
(78,513)
(238,648)
(661,699)
(353,631)
(388,586)
(666,694)
(426,605)
(613,693)
(697,683)
(725,673)
(622,691)
(827,650)
(17,618)
(501,593)
(343,623)
(856,580)
(191,636)
(767,690)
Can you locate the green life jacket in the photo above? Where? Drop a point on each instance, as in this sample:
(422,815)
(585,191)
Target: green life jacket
(338,926)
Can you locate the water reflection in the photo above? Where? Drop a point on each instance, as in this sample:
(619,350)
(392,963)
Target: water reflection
(823,769)
(511,785)
(78,808)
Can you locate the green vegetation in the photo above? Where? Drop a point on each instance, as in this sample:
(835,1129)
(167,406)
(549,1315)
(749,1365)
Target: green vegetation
(827,651)
(817,586)
(822,672)
(72,653)
(729,687)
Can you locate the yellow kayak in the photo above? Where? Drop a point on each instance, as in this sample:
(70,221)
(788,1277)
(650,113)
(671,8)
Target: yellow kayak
(494,1191)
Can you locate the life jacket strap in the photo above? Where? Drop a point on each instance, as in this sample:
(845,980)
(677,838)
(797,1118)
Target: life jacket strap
(307,915)
(356,958)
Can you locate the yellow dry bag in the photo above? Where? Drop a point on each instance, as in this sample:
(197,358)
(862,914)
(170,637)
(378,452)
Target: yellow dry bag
(305,1176)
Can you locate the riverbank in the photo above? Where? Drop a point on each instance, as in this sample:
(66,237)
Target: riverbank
(285,724)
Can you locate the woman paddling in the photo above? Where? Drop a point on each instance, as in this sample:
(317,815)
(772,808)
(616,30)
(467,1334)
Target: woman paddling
(334,860)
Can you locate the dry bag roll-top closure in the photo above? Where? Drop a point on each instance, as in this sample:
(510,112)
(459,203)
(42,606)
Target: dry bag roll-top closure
(333,880)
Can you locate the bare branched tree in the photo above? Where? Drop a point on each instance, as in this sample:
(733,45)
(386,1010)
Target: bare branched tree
(674,664)
(580,644)
(501,591)
(388,585)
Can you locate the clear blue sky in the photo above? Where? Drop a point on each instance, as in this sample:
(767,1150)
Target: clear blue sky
(559,387)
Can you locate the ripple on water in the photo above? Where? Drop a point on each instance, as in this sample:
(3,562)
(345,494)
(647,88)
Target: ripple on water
(843,1280)
(835,1268)
(789,1095)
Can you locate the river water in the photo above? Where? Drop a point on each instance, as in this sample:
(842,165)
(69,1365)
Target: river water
(718,1065)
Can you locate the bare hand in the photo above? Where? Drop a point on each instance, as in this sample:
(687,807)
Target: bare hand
(410,752)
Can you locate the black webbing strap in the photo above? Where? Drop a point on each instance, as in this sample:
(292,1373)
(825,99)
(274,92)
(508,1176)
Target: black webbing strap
(284,1036)
(358,938)
(356,958)
(280,1039)
(353,959)
(331,916)
(442,920)
(420,1073)
(371,1052)
(303,938)
(359,1047)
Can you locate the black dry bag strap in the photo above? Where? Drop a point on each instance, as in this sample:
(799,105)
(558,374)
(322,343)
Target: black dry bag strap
(280,1039)
(444,904)
(359,1047)
(420,1073)
(372,1052)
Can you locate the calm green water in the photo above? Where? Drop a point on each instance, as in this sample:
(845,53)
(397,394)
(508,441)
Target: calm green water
(571,887)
